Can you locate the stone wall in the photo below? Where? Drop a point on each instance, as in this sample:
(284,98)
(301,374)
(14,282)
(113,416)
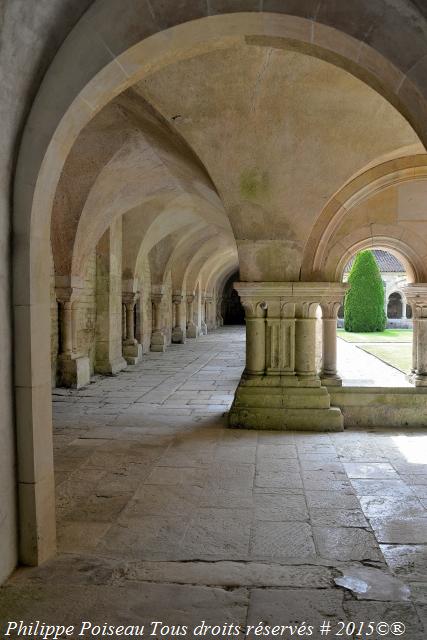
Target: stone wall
(381,407)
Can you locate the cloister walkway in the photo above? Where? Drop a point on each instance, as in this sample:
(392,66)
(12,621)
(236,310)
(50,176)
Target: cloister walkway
(166,514)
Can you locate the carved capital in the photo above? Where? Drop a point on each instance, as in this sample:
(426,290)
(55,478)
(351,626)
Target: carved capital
(156,298)
(330,309)
(129,298)
(416,296)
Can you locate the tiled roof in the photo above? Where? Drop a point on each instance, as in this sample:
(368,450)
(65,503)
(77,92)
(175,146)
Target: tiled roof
(386,262)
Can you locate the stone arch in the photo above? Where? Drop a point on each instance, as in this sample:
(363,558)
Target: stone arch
(103,56)
(215,279)
(404,252)
(323,240)
(181,257)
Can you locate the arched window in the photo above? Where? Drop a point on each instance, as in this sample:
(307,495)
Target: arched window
(394,306)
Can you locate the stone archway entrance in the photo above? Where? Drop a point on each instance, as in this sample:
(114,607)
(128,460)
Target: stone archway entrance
(233,312)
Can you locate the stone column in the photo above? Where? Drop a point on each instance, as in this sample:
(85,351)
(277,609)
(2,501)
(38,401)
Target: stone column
(280,388)
(305,343)
(203,325)
(158,339)
(329,374)
(73,370)
(421,338)
(416,295)
(414,343)
(178,333)
(132,350)
(123,322)
(255,339)
(191,326)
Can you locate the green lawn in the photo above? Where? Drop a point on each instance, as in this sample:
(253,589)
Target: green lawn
(389,335)
(398,355)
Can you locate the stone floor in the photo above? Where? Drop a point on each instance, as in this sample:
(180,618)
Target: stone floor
(164,514)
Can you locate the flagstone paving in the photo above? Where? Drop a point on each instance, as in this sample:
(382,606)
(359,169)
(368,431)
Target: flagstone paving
(166,514)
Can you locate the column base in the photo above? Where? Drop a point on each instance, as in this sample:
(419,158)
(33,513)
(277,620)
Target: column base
(178,335)
(73,372)
(192,331)
(110,367)
(132,353)
(203,329)
(420,380)
(330,380)
(158,341)
(263,403)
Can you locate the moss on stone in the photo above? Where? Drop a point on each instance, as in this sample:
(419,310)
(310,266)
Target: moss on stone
(253,184)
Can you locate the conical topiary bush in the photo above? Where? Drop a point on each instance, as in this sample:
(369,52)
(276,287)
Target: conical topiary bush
(364,302)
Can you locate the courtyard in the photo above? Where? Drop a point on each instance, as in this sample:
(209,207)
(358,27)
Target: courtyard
(158,501)
(391,347)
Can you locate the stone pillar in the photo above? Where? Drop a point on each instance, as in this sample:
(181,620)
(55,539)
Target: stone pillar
(123,322)
(158,339)
(219,318)
(329,374)
(73,370)
(280,388)
(416,295)
(403,310)
(109,326)
(414,343)
(210,317)
(132,350)
(203,325)
(178,333)
(191,326)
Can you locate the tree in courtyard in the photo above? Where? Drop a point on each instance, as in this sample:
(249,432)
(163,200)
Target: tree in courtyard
(364,302)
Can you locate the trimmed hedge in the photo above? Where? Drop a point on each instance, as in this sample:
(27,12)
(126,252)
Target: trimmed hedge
(364,302)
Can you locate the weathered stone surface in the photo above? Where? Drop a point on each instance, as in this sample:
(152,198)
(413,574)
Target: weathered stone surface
(346,544)
(168,505)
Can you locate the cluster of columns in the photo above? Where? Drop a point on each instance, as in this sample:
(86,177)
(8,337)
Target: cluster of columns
(280,387)
(132,349)
(74,368)
(416,296)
